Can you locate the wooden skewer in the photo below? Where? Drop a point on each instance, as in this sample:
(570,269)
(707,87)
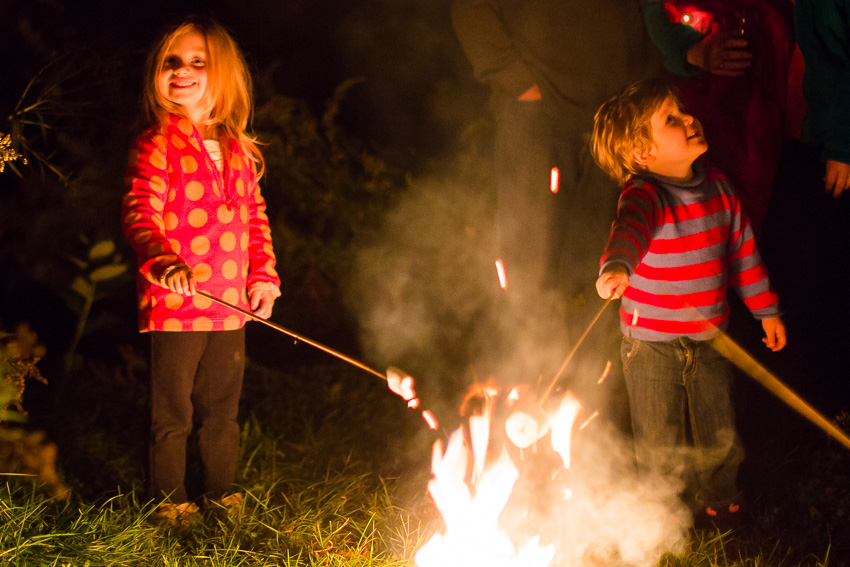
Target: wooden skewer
(743,360)
(295,335)
(573,352)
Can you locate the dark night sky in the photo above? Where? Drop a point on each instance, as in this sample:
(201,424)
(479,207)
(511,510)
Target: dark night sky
(417,91)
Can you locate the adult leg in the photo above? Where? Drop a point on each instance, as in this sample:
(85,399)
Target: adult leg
(523,163)
(585,208)
(216,400)
(174,361)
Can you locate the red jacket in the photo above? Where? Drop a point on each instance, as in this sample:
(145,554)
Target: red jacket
(181,209)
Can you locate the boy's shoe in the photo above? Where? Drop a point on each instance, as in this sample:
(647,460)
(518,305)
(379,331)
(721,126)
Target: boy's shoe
(176,515)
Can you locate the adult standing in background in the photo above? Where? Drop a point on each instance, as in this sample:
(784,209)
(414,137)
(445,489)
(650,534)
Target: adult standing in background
(823,33)
(550,64)
(733,58)
(819,195)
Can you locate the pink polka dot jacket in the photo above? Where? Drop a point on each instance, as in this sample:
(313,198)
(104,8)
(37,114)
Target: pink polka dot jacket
(180,209)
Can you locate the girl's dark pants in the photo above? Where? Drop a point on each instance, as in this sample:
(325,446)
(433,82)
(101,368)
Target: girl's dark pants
(196,380)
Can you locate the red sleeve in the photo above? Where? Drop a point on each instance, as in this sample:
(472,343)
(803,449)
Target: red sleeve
(143,205)
(260,250)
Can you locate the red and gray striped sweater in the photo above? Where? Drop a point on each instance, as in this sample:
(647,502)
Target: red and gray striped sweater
(682,245)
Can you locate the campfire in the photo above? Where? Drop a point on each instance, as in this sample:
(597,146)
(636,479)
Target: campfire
(524,483)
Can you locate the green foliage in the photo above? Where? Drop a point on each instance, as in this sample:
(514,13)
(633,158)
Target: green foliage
(19,354)
(325,196)
(7,152)
(23,452)
(101,271)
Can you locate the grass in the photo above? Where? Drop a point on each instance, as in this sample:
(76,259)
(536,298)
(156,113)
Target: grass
(334,471)
(343,518)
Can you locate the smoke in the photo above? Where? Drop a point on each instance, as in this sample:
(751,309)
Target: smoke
(612,511)
(428,301)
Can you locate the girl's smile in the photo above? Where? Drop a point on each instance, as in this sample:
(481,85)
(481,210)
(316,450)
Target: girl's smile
(182,79)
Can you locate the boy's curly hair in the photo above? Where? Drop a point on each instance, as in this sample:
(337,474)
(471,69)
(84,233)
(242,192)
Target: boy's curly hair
(622,125)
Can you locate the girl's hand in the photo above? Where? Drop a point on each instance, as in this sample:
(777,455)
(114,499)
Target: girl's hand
(774,333)
(179,279)
(261,302)
(612,284)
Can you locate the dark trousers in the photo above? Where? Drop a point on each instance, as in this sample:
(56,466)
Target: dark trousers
(677,389)
(549,239)
(196,380)
(551,243)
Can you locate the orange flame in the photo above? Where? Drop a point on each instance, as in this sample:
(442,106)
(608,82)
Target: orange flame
(555,180)
(562,426)
(472,535)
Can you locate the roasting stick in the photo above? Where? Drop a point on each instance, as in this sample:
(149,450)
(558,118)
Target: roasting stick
(296,336)
(573,352)
(743,360)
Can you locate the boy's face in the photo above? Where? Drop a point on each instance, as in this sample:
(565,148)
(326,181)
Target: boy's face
(677,141)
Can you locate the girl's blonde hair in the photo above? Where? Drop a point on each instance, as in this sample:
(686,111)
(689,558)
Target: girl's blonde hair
(229,89)
(623,124)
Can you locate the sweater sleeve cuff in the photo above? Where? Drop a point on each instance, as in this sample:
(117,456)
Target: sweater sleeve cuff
(265,286)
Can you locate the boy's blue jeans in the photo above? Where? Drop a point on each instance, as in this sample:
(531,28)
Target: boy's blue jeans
(681,389)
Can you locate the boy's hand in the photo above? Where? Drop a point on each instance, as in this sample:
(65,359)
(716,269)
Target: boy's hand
(612,284)
(774,331)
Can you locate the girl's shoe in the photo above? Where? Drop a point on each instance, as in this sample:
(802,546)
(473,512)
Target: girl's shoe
(176,515)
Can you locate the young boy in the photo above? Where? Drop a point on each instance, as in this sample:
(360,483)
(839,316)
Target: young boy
(679,239)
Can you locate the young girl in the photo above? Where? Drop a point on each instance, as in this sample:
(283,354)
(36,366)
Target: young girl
(195,218)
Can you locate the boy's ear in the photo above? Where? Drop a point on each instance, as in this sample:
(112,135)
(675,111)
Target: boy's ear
(643,157)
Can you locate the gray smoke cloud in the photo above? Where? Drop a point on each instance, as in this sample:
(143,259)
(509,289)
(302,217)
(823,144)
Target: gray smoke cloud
(428,299)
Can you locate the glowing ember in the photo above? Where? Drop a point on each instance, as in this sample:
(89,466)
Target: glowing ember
(431,420)
(593,416)
(555,180)
(605,373)
(503,276)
